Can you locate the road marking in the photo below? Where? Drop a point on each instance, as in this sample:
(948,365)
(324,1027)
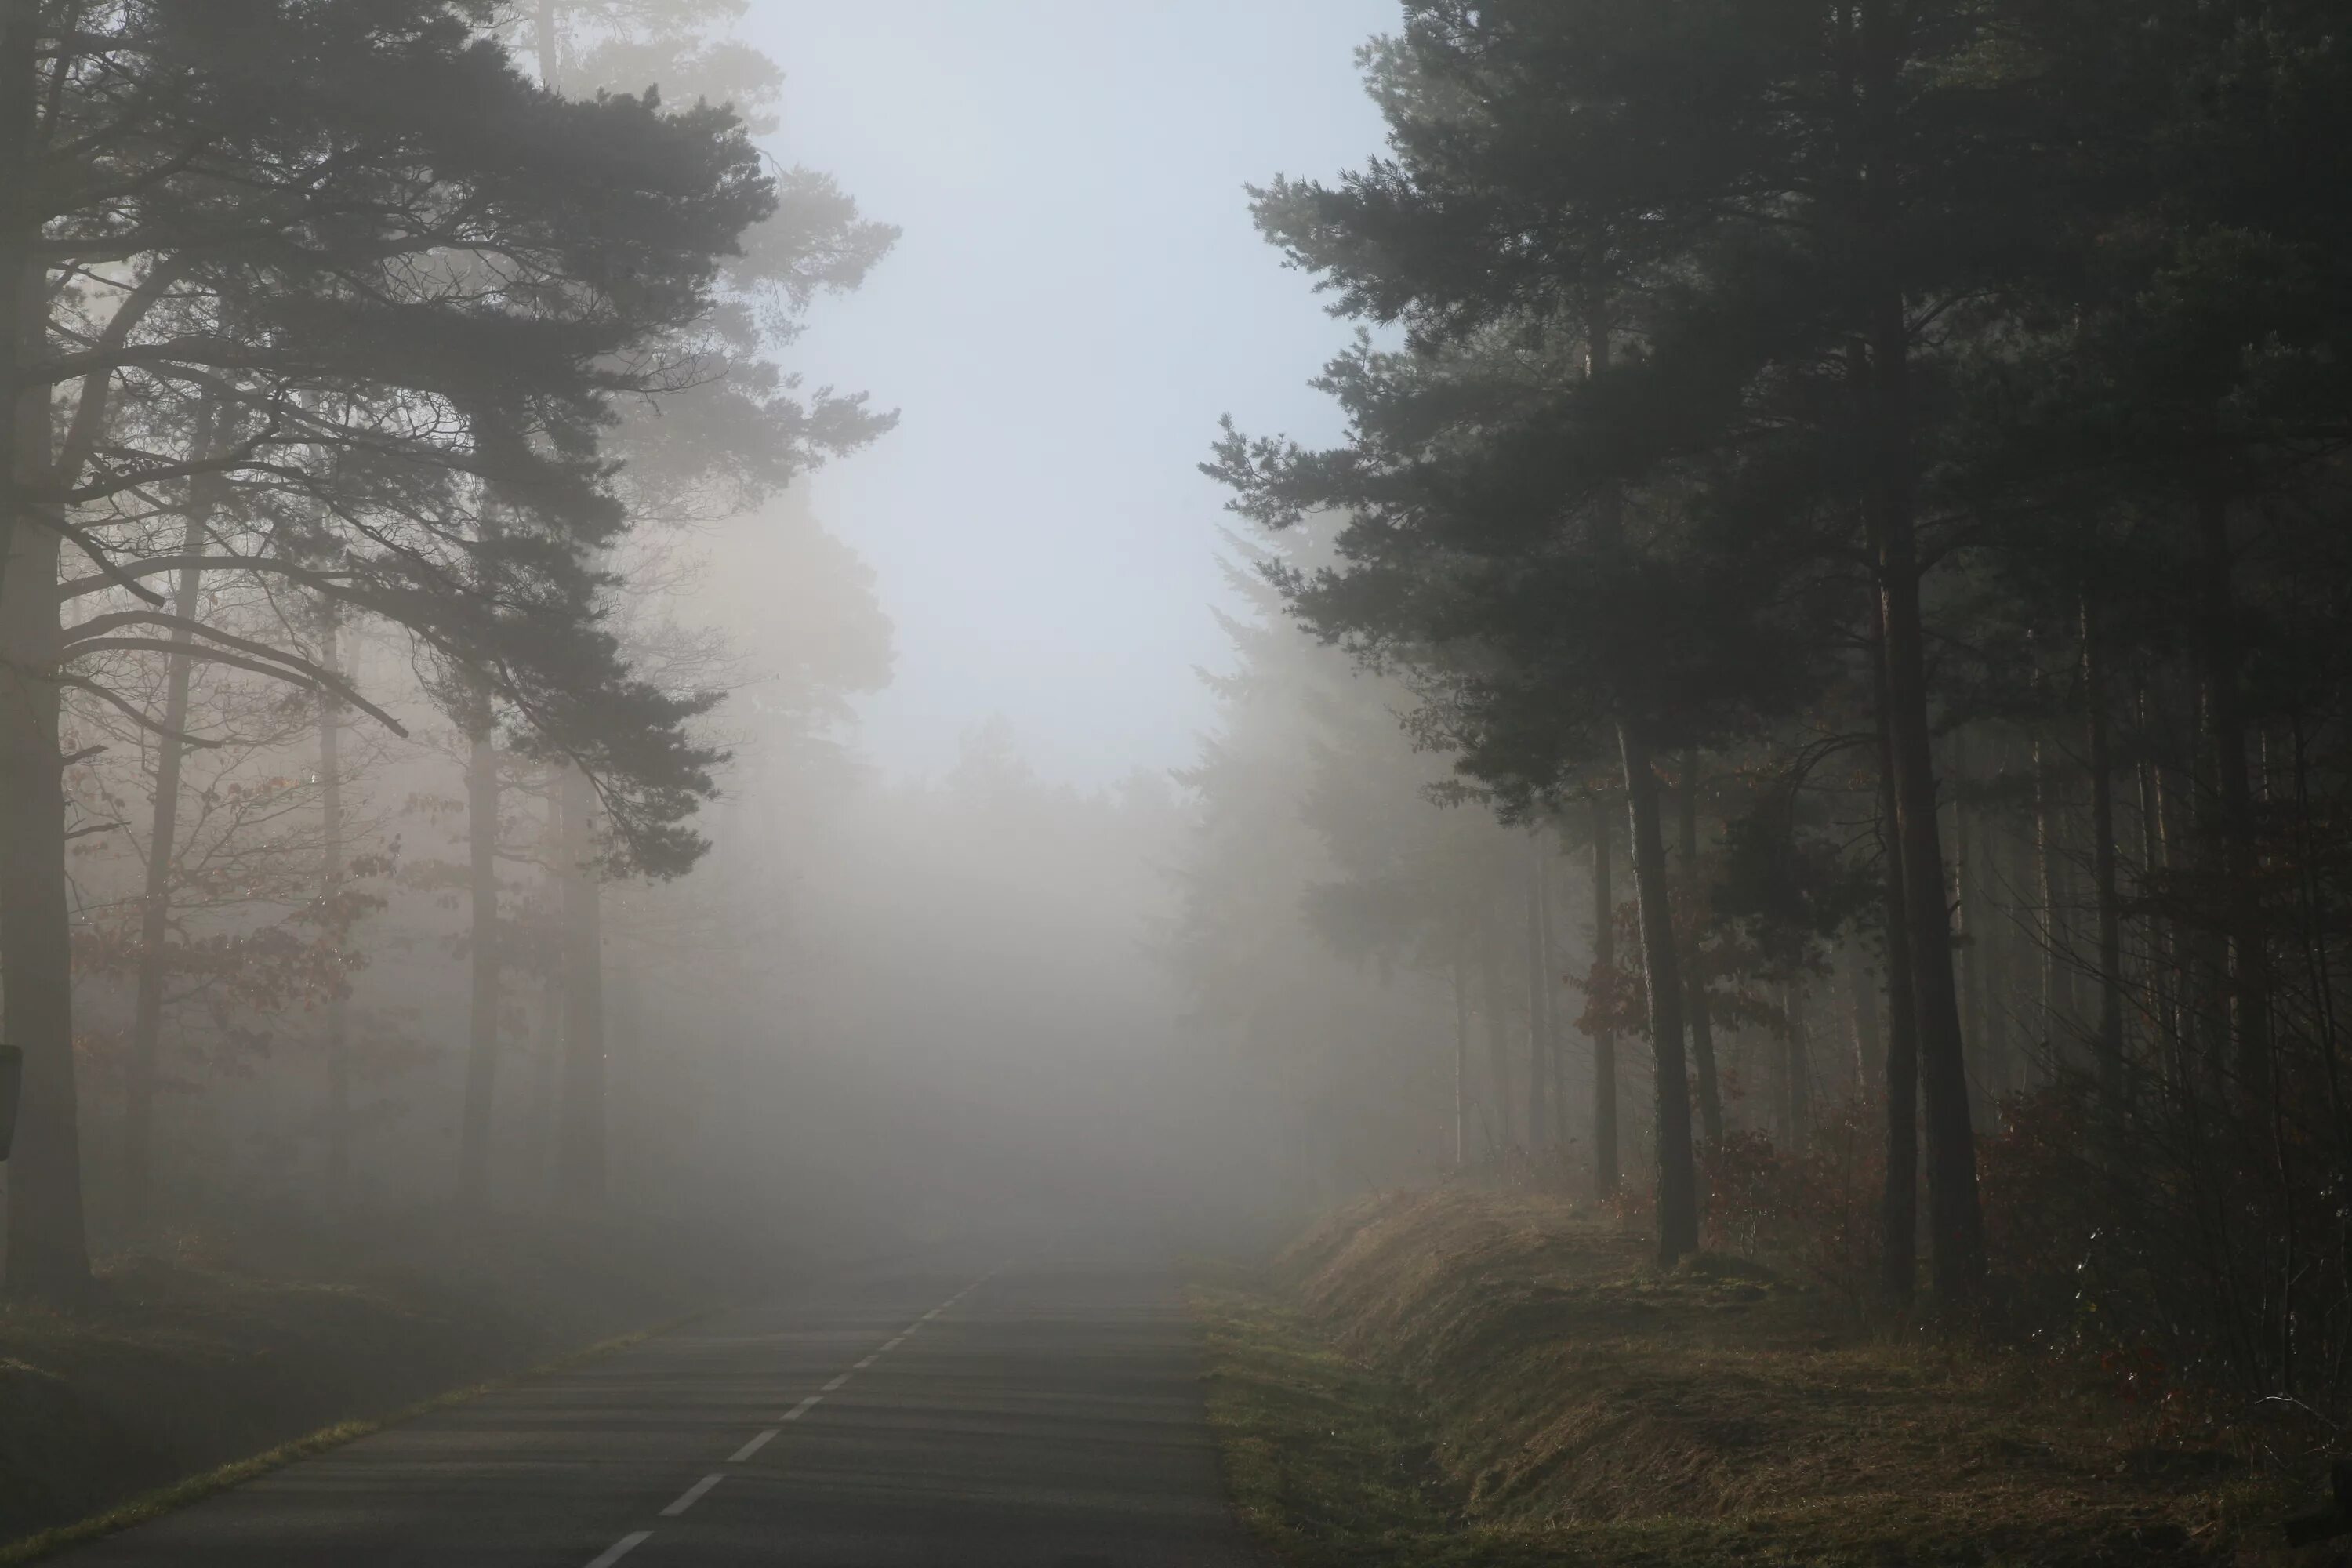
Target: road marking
(869,1360)
(753,1447)
(802,1408)
(835,1386)
(622,1547)
(694,1494)
(894,1344)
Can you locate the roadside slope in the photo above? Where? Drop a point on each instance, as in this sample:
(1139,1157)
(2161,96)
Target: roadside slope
(1492,1378)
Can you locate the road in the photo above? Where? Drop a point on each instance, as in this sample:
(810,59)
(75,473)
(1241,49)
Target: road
(1043,1414)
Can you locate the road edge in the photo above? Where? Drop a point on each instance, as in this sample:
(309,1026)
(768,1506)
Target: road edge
(151,1506)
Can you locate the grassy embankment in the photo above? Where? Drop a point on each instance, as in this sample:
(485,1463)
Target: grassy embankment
(1457,1378)
(201,1365)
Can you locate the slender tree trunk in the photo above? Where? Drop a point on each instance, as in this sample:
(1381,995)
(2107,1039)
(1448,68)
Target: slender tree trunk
(546,1075)
(1869,1042)
(1799,1048)
(49,1257)
(580,1151)
(1499,1038)
(1606,1165)
(482,807)
(1975,932)
(2248,967)
(162,849)
(337,1130)
(1955,1218)
(1899,1217)
(1538,1008)
(2103,861)
(1461,1052)
(24,309)
(1702,1019)
(2059,1032)
(1677,1171)
(1556,1008)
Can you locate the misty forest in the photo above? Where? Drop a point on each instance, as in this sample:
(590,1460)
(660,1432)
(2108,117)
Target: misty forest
(1678,901)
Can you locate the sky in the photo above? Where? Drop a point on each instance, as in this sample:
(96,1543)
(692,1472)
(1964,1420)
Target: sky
(1078,297)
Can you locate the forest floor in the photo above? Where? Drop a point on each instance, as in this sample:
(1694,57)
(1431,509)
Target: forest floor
(226,1343)
(1461,1378)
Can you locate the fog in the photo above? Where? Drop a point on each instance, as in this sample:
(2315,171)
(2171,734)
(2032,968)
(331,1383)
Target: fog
(925,970)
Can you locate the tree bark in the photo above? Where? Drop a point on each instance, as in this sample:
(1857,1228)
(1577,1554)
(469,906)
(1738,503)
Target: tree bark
(1955,1218)
(163,848)
(1538,1008)
(1702,1018)
(1899,1214)
(2110,1041)
(1677,1175)
(482,1036)
(582,1150)
(2234,802)
(2059,1029)
(49,1257)
(1498,1040)
(1606,1164)
(1460,1052)
(1869,1036)
(336,1131)
(1800,1046)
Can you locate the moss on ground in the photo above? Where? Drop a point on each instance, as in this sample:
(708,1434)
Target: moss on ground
(1460,1378)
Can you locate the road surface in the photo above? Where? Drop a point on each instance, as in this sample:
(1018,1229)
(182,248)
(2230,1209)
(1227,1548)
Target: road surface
(1044,1414)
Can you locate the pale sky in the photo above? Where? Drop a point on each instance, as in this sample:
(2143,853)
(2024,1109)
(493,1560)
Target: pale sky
(1079,295)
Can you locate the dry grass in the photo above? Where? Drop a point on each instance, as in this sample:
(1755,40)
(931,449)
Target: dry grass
(1557,1400)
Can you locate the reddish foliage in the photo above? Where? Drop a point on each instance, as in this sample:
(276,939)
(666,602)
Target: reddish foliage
(1815,1208)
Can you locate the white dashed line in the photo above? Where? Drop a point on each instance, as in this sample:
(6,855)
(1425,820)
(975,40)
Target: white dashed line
(622,1547)
(802,1408)
(753,1447)
(835,1386)
(869,1360)
(694,1494)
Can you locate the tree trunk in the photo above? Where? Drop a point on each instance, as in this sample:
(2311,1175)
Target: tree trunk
(1800,1046)
(336,1131)
(1555,1008)
(482,1036)
(49,1257)
(2102,863)
(1869,1040)
(1460,1052)
(162,847)
(23,291)
(581,1157)
(2059,1031)
(1955,1218)
(2233,804)
(1677,1174)
(1899,1216)
(1974,934)
(1606,1165)
(1499,1038)
(1538,1008)
(1702,1018)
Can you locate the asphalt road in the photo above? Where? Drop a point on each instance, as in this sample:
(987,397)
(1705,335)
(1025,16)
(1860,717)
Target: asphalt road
(1043,1413)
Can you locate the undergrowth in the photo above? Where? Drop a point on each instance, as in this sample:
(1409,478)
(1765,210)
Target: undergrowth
(1459,1378)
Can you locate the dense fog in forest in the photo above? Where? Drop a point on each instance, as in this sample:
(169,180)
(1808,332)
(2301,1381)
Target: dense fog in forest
(653,647)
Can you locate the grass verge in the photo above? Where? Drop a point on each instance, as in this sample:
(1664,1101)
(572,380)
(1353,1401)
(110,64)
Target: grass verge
(1458,1379)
